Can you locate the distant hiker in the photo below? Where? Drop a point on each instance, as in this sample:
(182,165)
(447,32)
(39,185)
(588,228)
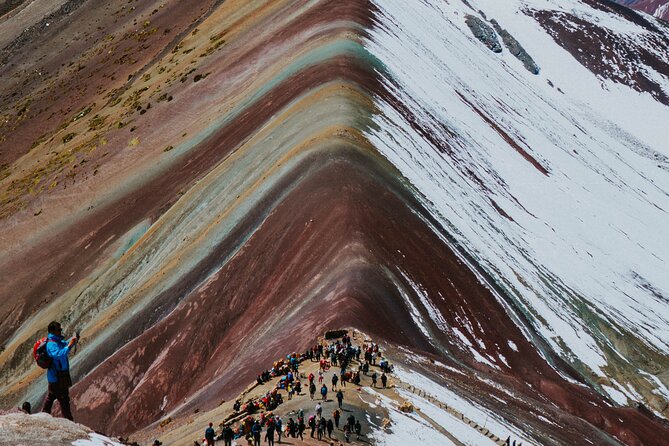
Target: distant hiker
(319,410)
(290,391)
(336,415)
(320,428)
(320,377)
(58,373)
(269,435)
(358,428)
(347,433)
(210,434)
(365,368)
(278,423)
(335,378)
(300,428)
(340,398)
(384,380)
(227,435)
(300,414)
(311,377)
(237,406)
(291,428)
(350,421)
(374,379)
(26,407)
(256,430)
(312,425)
(312,390)
(324,392)
(330,428)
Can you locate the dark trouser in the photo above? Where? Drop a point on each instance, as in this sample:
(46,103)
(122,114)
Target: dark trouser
(60,393)
(227,441)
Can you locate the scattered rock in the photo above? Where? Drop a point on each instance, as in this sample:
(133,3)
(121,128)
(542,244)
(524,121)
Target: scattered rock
(67,138)
(516,48)
(335,334)
(484,33)
(406,407)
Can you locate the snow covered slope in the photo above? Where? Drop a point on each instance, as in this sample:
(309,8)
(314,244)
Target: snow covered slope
(557,184)
(658,8)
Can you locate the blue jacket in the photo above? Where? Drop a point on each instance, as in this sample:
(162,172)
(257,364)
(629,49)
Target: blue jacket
(58,351)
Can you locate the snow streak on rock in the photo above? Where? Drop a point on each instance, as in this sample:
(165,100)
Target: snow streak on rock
(576,247)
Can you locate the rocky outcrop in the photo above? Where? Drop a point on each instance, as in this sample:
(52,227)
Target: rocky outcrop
(484,33)
(19,429)
(516,48)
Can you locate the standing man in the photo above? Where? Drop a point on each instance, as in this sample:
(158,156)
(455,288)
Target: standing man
(227,435)
(340,398)
(210,435)
(58,373)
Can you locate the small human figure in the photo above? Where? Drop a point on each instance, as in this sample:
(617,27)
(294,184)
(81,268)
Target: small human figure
(279,425)
(58,373)
(347,433)
(335,378)
(340,398)
(300,428)
(324,392)
(269,434)
(312,425)
(358,429)
(330,428)
(312,390)
(210,435)
(336,415)
(374,379)
(227,435)
(384,380)
(321,428)
(256,430)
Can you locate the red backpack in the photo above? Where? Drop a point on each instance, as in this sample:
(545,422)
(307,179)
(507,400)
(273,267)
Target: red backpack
(40,354)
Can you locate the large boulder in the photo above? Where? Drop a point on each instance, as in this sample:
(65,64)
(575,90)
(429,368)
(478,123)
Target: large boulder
(41,429)
(484,33)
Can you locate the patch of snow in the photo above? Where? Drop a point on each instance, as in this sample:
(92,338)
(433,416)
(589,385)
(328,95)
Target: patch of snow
(471,410)
(96,440)
(405,428)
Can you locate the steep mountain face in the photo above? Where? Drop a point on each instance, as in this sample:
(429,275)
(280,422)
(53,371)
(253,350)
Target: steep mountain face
(658,8)
(202,188)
